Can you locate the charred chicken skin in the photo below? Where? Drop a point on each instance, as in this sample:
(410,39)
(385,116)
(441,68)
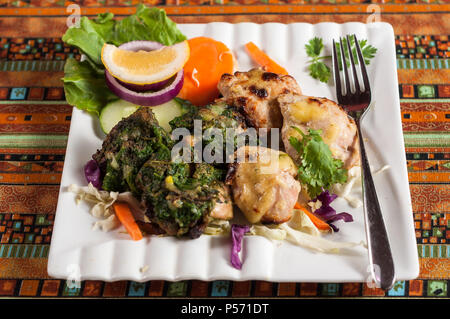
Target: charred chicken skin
(254,94)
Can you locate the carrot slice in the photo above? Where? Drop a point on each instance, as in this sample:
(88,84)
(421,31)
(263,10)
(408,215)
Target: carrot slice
(125,216)
(208,60)
(319,223)
(263,59)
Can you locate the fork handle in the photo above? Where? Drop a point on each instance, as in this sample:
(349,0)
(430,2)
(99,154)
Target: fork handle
(380,256)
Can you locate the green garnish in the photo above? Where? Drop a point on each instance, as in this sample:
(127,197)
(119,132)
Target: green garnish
(317,169)
(319,70)
(84,82)
(368,51)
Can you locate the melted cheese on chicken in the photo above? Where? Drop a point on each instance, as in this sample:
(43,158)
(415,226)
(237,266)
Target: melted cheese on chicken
(264,187)
(338,130)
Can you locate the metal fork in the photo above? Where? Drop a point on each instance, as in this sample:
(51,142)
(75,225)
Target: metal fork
(357,104)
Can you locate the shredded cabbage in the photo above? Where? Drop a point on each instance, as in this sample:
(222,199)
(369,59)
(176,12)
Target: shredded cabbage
(299,237)
(272,233)
(107,224)
(218,227)
(93,174)
(301,222)
(237,234)
(102,205)
(315,243)
(102,200)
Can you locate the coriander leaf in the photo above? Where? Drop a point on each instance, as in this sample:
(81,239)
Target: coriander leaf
(314,47)
(317,169)
(368,51)
(320,71)
(84,87)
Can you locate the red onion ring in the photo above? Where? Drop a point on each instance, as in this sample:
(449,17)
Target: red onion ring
(146,87)
(147,98)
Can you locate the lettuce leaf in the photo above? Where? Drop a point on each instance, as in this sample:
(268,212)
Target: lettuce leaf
(90,37)
(151,24)
(84,87)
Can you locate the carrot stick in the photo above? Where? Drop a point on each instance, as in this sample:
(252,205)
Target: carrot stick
(263,59)
(319,223)
(125,216)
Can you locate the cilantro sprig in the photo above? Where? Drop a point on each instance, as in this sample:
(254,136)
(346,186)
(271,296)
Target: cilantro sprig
(317,169)
(319,70)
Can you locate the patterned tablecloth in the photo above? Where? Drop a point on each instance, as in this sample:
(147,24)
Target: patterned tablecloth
(35,120)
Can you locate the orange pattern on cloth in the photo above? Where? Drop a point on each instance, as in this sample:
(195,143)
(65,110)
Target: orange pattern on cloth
(32,201)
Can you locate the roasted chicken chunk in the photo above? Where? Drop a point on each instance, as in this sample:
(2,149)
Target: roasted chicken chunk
(255,94)
(263,184)
(223,207)
(338,129)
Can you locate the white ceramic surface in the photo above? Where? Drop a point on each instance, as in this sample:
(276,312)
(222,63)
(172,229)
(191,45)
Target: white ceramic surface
(79,252)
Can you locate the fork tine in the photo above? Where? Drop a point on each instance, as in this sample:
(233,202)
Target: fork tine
(337,78)
(344,67)
(355,76)
(363,66)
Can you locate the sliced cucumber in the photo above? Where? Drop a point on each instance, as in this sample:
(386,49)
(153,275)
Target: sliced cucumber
(113,112)
(117,110)
(167,112)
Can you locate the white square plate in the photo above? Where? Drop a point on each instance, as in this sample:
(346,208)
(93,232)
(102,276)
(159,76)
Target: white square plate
(79,252)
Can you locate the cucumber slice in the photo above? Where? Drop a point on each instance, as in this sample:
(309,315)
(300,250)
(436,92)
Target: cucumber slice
(113,112)
(167,112)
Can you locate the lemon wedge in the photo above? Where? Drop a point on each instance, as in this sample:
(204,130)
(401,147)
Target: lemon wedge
(145,67)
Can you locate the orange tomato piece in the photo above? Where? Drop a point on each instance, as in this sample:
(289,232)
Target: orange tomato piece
(208,60)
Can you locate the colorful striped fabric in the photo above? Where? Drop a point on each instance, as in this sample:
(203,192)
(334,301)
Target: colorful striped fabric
(35,120)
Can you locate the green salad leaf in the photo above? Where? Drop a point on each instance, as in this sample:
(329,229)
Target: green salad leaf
(84,82)
(84,87)
(90,36)
(150,24)
(317,167)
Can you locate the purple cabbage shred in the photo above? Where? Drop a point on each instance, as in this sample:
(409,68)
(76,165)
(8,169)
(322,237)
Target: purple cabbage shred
(92,174)
(237,234)
(328,213)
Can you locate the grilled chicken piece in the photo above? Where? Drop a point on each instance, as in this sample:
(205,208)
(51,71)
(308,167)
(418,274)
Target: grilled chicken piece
(255,94)
(338,129)
(223,208)
(263,184)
